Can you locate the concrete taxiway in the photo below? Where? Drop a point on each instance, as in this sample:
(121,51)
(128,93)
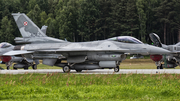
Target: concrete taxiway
(97,71)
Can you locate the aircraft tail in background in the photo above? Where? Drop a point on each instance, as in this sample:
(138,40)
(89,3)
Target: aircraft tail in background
(44,28)
(26,26)
(30,32)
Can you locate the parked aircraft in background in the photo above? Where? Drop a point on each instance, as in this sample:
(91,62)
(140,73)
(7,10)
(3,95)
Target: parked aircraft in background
(167,60)
(79,55)
(20,60)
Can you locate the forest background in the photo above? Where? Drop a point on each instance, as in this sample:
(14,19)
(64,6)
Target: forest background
(89,20)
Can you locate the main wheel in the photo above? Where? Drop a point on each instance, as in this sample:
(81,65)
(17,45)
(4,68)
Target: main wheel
(161,67)
(34,66)
(116,69)
(66,69)
(14,68)
(78,70)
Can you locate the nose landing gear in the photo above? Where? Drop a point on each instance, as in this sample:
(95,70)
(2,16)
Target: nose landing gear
(116,69)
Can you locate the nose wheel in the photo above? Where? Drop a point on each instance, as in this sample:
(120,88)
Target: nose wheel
(116,69)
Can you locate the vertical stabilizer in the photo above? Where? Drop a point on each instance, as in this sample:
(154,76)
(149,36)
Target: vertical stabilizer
(155,39)
(43,29)
(26,27)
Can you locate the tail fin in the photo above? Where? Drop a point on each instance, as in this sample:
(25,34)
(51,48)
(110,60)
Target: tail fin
(26,26)
(30,31)
(43,29)
(155,39)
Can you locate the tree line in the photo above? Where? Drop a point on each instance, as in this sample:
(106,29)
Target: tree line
(88,20)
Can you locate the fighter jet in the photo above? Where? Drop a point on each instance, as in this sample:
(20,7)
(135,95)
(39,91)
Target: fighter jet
(79,55)
(167,60)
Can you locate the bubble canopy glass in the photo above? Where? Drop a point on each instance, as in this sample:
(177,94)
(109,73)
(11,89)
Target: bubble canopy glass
(4,45)
(126,39)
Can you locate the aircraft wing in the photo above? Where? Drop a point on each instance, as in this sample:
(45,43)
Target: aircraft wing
(83,50)
(17,52)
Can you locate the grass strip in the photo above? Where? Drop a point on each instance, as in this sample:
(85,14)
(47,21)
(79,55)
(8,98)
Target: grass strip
(58,86)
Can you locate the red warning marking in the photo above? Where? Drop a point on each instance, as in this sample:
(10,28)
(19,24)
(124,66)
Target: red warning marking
(25,23)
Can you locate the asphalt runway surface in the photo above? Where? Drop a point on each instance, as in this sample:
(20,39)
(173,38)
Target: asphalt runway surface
(97,71)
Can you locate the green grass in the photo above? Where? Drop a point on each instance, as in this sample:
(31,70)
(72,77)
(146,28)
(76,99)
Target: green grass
(60,86)
(127,64)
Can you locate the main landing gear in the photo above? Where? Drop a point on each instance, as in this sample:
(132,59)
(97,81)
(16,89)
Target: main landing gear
(34,66)
(66,69)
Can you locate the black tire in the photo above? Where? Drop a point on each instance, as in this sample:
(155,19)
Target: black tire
(66,69)
(161,67)
(14,68)
(34,67)
(78,70)
(116,69)
(8,67)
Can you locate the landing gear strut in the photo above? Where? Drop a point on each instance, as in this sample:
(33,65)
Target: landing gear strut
(8,65)
(116,69)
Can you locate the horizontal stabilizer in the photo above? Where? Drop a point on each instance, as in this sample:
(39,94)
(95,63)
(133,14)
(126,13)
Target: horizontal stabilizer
(17,52)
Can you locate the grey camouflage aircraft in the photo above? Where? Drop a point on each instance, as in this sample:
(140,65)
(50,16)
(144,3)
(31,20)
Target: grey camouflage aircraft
(167,60)
(79,55)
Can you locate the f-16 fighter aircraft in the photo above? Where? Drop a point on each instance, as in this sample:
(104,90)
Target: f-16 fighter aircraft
(79,55)
(165,61)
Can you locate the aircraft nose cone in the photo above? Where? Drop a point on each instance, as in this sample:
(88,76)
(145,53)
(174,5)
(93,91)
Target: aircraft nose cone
(158,50)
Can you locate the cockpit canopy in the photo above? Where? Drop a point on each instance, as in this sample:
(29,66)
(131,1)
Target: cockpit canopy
(126,39)
(5,45)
